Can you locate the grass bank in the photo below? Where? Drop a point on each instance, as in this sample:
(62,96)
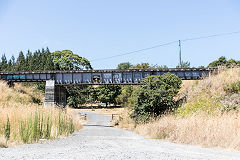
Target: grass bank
(24,119)
(208,117)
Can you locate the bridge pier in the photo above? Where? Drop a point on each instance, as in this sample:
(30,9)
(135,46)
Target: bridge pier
(54,95)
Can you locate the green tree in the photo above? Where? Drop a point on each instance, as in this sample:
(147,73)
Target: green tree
(78,95)
(28,60)
(4,63)
(49,65)
(126,93)
(232,62)
(67,60)
(125,65)
(13,64)
(155,96)
(21,64)
(220,62)
(141,66)
(108,93)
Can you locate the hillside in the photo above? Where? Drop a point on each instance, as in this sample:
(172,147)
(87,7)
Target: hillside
(24,119)
(209,115)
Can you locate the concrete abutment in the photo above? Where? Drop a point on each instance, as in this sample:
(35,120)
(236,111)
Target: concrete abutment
(55,94)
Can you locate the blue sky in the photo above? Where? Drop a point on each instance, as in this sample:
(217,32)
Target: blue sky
(102,28)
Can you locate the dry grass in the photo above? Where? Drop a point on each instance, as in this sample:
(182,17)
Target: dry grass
(29,121)
(199,120)
(212,86)
(124,121)
(221,131)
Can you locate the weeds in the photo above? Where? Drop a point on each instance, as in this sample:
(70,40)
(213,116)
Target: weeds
(208,117)
(7,130)
(23,121)
(232,88)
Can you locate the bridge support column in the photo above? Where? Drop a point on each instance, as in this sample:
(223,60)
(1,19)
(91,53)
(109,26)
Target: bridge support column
(49,93)
(55,94)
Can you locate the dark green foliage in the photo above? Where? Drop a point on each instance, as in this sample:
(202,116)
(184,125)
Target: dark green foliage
(21,63)
(124,65)
(3,64)
(155,96)
(67,60)
(232,88)
(124,98)
(78,95)
(108,93)
(222,61)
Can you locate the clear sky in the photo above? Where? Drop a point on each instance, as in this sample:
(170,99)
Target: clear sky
(101,28)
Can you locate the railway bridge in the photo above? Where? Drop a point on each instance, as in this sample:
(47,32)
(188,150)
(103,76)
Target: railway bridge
(55,92)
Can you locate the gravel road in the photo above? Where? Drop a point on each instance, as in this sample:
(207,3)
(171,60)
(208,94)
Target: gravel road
(98,140)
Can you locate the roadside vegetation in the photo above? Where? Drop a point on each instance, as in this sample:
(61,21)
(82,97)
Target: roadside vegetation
(23,120)
(203,112)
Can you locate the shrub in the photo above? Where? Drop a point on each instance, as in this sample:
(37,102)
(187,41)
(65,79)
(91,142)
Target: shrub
(232,88)
(155,96)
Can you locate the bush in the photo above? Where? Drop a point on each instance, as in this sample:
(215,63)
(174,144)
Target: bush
(155,96)
(232,88)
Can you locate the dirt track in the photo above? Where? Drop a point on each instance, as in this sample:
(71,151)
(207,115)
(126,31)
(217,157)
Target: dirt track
(98,140)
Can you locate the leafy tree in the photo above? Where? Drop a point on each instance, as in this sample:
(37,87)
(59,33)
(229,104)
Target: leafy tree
(184,65)
(126,93)
(78,95)
(220,62)
(108,93)
(67,60)
(141,66)
(125,65)
(155,96)
(232,62)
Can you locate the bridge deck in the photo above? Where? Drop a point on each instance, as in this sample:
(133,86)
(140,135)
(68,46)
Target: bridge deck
(109,76)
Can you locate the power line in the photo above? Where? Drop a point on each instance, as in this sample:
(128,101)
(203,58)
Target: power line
(168,43)
(140,50)
(210,36)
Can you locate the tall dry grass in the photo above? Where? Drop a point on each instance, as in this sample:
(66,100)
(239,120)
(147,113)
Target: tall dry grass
(212,85)
(29,121)
(221,131)
(200,120)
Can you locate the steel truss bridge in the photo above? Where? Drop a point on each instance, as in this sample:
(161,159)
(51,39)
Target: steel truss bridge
(109,76)
(55,92)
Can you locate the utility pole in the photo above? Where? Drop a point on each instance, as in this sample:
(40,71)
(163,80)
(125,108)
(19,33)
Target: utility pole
(180,58)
